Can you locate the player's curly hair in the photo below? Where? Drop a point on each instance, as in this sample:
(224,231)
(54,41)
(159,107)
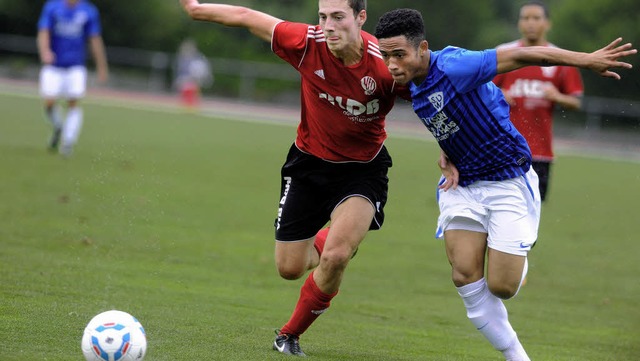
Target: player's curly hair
(398,22)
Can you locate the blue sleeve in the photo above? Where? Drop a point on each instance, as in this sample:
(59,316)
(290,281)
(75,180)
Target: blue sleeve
(93,25)
(469,69)
(44,23)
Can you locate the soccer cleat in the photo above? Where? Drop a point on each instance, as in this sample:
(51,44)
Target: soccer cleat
(66,150)
(55,139)
(288,344)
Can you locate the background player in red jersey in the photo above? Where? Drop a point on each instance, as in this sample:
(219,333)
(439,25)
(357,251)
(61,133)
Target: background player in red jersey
(532,92)
(337,168)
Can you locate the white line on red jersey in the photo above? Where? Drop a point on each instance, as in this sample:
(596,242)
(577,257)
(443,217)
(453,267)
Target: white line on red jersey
(374,50)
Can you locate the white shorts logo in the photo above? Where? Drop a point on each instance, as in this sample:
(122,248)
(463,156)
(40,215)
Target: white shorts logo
(287,186)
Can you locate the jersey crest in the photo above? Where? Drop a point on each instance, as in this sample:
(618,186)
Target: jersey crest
(368,84)
(437,100)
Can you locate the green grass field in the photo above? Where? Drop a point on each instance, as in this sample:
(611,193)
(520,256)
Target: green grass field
(169,216)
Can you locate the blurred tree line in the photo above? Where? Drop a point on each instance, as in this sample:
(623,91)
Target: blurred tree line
(581,25)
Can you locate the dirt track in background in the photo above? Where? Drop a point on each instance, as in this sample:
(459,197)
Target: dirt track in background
(400,122)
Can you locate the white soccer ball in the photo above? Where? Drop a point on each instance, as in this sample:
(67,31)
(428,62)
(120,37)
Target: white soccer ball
(114,336)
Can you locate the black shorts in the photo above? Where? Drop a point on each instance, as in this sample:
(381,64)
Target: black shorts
(543,169)
(312,188)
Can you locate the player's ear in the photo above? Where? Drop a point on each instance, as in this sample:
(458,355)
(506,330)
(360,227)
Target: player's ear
(423,47)
(362,17)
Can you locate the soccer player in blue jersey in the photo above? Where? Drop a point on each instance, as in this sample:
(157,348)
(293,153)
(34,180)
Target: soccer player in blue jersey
(494,209)
(64,29)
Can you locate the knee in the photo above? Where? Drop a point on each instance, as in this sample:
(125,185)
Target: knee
(462,277)
(335,260)
(502,290)
(290,272)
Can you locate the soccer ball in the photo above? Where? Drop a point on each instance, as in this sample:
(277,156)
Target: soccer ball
(114,336)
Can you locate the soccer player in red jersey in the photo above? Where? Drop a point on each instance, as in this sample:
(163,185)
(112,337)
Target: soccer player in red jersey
(336,171)
(532,92)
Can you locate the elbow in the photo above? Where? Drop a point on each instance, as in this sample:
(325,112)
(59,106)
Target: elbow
(195,11)
(228,15)
(243,12)
(237,16)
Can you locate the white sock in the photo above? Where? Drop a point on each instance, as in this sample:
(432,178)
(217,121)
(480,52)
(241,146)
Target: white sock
(488,314)
(516,352)
(72,127)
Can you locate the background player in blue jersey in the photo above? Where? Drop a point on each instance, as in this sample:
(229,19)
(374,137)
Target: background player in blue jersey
(495,209)
(64,29)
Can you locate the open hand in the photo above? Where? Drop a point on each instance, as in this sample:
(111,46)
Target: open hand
(606,58)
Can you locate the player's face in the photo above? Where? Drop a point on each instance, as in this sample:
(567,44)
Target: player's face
(404,60)
(533,24)
(341,28)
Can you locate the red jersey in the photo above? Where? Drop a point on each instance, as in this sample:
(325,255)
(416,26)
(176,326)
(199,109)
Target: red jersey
(533,114)
(343,107)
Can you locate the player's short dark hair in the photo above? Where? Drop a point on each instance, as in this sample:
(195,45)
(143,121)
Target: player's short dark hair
(398,22)
(539,3)
(358,6)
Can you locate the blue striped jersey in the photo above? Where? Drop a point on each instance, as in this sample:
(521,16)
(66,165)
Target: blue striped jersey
(469,117)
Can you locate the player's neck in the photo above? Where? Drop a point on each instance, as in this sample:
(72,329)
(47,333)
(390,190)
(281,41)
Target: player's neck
(534,42)
(423,72)
(351,55)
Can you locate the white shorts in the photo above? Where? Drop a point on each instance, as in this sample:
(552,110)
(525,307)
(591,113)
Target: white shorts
(69,83)
(508,211)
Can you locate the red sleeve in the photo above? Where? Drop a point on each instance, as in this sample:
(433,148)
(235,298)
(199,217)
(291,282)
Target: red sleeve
(290,41)
(571,81)
(498,80)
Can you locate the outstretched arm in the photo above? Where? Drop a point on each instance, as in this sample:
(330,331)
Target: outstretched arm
(260,24)
(599,61)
